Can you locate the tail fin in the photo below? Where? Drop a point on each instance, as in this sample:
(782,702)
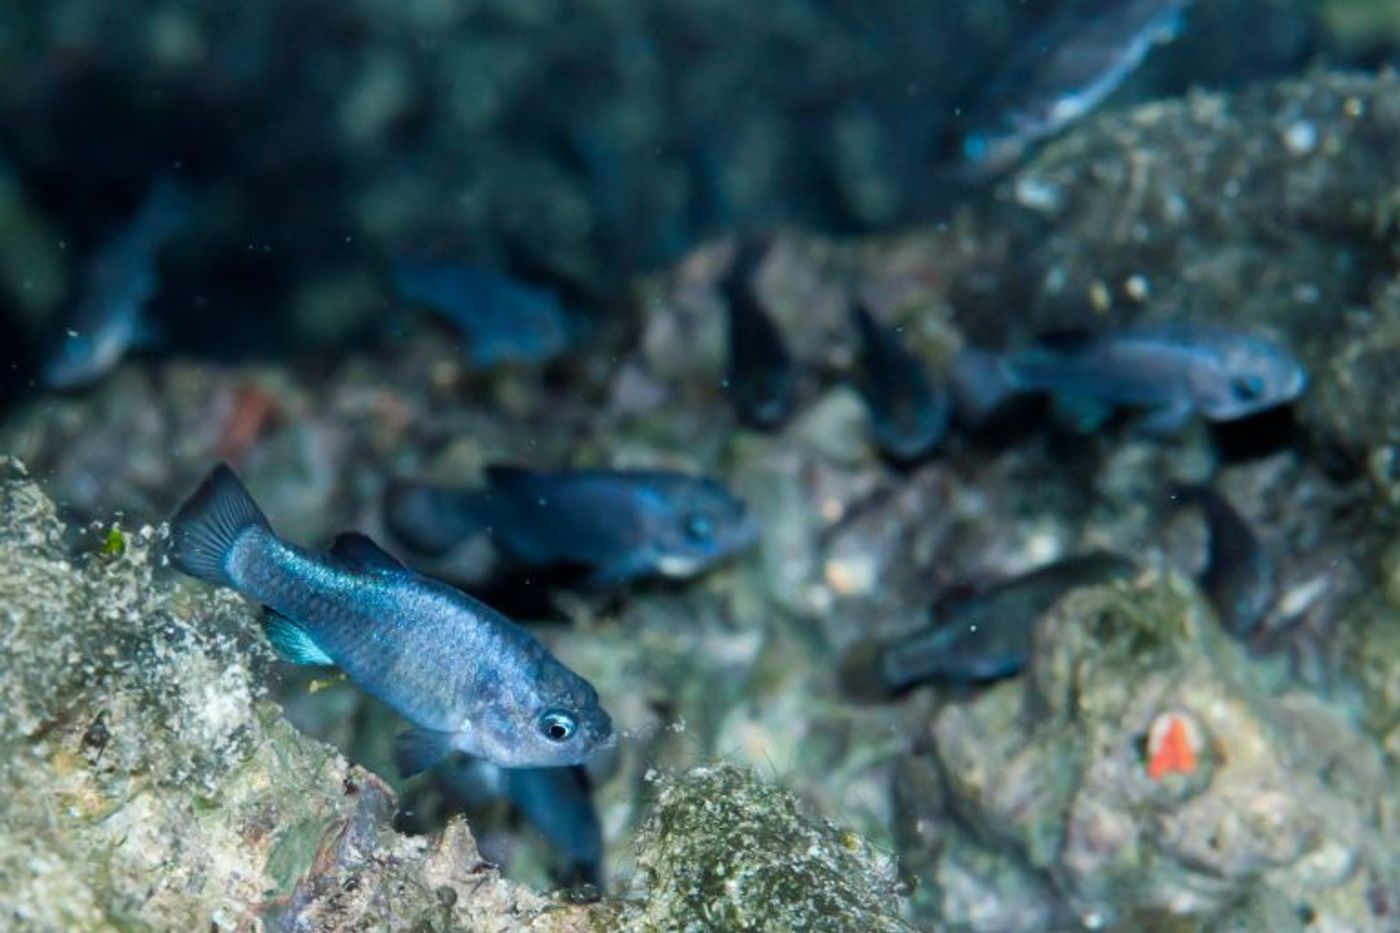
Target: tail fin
(209,523)
(431,519)
(981,383)
(862,672)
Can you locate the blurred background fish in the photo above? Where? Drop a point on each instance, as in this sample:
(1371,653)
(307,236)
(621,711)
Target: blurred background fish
(110,315)
(1168,371)
(976,634)
(1062,73)
(762,378)
(502,321)
(909,411)
(617,525)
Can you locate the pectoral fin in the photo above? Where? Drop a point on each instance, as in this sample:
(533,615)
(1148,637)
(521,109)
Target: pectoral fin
(416,750)
(1167,421)
(1080,414)
(292,642)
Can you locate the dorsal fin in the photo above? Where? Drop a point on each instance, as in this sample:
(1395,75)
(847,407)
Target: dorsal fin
(360,552)
(956,599)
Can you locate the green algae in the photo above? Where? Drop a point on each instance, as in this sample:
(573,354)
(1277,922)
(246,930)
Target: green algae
(727,850)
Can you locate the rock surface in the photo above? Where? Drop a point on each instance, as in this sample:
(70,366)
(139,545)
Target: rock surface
(1025,806)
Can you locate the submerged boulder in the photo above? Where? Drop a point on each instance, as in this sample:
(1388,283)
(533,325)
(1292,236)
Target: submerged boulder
(1145,771)
(725,850)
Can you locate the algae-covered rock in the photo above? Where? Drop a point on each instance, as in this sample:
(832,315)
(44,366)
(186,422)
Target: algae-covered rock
(1144,772)
(725,850)
(145,785)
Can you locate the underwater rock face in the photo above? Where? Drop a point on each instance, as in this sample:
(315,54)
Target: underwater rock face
(1143,770)
(725,850)
(146,784)
(1274,208)
(1030,806)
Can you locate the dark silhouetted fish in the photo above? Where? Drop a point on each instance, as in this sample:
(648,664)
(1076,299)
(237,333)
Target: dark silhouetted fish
(619,524)
(909,413)
(1170,370)
(1062,72)
(557,802)
(762,378)
(109,316)
(504,321)
(975,636)
(1239,575)
(465,676)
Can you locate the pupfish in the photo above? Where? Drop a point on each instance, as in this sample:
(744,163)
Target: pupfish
(975,636)
(909,412)
(1239,576)
(466,677)
(1063,72)
(762,378)
(502,319)
(1169,371)
(618,525)
(556,802)
(109,316)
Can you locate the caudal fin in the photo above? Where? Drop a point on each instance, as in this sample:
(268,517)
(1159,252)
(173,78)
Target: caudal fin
(431,519)
(209,523)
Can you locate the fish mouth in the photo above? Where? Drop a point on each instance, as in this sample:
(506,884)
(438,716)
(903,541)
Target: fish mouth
(678,566)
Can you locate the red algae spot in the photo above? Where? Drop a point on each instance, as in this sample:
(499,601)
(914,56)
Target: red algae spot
(1173,745)
(251,413)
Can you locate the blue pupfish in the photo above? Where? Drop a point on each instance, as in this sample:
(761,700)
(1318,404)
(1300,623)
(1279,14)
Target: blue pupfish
(1169,371)
(909,412)
(975,635)
(1239,576)
(762,379)
(109,317)
(503,320)
(466,677)
(617,524)
(1063,72)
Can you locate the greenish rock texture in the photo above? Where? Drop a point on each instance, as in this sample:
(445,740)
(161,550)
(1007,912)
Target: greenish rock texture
(148,786)
(1281,812)
(725,850)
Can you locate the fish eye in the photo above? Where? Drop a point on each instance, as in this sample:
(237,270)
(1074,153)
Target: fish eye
(1247,388)
(558,726)
(699,529)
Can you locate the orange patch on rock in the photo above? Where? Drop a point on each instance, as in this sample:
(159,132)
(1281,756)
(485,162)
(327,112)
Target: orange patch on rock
(1172,746)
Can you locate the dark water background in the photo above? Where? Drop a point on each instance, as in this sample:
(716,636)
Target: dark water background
(570,143)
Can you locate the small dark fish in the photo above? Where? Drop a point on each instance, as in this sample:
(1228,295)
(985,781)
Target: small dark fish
(619,524)
(1239,575)
(762,378)
(1170,370)
(557,802)
(504,320)
(976,636)
(1062,73)
(909,412)
(109,316)
(464,675)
